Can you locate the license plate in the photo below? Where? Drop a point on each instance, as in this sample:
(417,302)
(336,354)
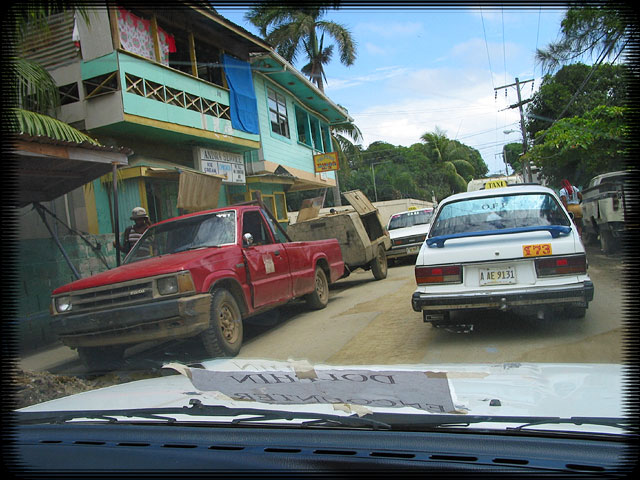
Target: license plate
(497,276)
(415,249)
(536,250)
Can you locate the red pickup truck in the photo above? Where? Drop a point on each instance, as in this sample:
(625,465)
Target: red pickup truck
(200,275)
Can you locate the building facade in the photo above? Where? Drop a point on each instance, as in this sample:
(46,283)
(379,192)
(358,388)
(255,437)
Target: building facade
(189,93)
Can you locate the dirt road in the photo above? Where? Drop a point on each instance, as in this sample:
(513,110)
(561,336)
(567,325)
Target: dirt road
(369,322)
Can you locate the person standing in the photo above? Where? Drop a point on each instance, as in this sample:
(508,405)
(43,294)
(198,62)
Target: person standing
(571,199)
(133,232)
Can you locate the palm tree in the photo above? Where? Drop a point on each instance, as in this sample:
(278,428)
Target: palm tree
(34,91)
(602,29)
(295,30)
(450,155)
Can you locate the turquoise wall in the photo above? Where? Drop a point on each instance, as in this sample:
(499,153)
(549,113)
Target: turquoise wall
(128,199)
(278,149)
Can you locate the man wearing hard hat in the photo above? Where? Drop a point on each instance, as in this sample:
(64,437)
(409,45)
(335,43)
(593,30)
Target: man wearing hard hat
(133,233)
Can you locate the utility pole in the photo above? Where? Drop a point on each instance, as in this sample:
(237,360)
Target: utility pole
(526,168)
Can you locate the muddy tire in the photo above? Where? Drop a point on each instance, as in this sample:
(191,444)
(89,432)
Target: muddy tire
(319,298)
(102,359)
(224,336)
(379,264)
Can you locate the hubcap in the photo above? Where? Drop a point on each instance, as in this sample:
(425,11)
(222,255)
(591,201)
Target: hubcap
(228,324)
(320,286)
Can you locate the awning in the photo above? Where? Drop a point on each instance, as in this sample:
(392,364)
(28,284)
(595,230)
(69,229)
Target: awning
(49,168)
(298,179)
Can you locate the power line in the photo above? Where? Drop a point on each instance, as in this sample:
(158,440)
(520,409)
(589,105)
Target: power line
(486,44)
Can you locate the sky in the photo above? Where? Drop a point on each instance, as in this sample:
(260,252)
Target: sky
(422,69)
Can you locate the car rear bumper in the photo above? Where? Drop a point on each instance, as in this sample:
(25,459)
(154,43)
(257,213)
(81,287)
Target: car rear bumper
(160,320)
(575,293)
(404,251)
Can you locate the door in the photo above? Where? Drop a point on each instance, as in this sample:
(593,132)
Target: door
(269,274)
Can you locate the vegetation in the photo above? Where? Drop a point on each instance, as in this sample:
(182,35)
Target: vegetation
(579,119)
(34,91)
(302,29)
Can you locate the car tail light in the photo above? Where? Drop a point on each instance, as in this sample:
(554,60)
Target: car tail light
(572,265)
(439,274)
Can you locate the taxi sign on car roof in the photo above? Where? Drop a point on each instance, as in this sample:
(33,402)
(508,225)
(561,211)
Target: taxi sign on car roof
(495,184)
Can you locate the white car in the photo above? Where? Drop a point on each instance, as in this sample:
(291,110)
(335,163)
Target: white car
(511,248)
(408,231)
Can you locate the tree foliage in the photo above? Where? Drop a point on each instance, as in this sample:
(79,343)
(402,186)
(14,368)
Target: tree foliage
(601,29)
(437,166)
(301,30)
(582,147)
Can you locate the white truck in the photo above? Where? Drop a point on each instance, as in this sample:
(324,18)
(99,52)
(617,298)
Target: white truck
(605,203)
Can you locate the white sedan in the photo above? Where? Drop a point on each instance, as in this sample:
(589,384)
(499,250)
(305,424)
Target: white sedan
(408,231)
(512,248)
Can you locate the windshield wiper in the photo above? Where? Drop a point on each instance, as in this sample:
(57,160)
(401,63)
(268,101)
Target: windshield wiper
(377,420)
(197,409)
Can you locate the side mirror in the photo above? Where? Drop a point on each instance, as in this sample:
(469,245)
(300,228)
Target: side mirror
(571,215)
(248,239)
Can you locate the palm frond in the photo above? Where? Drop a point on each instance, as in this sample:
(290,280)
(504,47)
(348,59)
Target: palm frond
(37,124)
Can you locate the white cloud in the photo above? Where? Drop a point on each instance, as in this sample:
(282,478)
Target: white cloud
(460,102)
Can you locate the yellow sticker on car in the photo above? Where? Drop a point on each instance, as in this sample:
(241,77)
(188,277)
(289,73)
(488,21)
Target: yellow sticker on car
(536,250)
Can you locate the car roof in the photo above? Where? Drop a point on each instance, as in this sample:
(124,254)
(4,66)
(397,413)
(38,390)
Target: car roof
(509,190)
(414,210)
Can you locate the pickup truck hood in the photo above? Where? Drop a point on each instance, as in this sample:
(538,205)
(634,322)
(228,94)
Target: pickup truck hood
(510,389)
(147,268)
(421,229)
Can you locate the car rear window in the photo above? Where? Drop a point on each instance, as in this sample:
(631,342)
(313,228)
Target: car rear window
(409,219)
(497,213)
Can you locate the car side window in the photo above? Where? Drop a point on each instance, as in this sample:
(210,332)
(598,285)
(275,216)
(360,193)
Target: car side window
(254,224)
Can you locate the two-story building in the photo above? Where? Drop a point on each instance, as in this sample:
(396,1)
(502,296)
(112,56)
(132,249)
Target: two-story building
(189,93)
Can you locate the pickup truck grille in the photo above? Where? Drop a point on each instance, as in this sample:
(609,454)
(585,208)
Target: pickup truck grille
(113,296)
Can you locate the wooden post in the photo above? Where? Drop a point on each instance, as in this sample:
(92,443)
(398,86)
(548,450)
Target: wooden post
(192,55)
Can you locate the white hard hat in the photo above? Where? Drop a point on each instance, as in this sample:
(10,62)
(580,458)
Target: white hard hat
(139,212)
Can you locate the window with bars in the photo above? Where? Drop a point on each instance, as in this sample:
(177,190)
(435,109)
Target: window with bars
(278,113)
(69,93)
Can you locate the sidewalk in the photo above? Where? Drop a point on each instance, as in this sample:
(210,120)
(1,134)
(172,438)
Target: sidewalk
(48,359)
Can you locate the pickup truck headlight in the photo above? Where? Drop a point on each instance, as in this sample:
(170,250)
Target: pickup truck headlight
(180,283)
(63,304)
(167,285)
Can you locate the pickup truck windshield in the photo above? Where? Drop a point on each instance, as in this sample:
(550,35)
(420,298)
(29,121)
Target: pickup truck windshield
(410,219)
(207,230)
(497,213)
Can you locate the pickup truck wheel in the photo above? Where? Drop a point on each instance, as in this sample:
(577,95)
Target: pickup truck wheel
(100,359)
(379,264)
(223,338)
(319,298)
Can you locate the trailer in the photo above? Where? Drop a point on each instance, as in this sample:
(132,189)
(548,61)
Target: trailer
(361,234)
(604,209)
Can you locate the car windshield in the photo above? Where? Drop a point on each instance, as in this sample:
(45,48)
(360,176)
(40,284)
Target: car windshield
(353,217)
(208,230)
(497,213)
(409,219)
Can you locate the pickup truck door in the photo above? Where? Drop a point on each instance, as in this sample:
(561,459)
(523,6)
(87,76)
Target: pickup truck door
(267,262)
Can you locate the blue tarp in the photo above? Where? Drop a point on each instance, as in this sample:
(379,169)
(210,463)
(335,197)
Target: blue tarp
(242,96)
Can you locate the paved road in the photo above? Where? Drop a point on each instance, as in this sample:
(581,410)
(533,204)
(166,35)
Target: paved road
(372,322)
